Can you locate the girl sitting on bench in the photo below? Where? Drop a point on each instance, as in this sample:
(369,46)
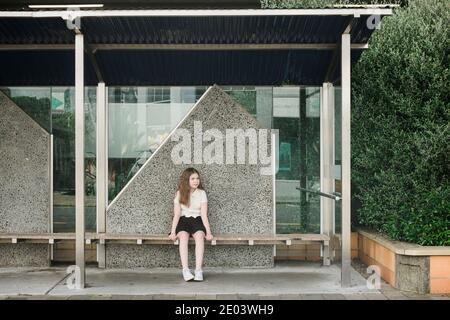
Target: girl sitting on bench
(190,218)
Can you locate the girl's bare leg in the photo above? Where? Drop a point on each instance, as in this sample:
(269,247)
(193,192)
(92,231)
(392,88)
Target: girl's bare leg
(183,236)
(199,237)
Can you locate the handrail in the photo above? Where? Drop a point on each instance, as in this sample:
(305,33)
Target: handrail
(335,196)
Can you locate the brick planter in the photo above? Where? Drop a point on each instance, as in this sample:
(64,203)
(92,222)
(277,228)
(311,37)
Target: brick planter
(405,266)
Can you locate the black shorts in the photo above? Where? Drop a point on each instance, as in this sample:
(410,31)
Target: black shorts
(190,225)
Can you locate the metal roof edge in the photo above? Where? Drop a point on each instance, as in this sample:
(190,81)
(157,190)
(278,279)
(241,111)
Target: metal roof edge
(72,14)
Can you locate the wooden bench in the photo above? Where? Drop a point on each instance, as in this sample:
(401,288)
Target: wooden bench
(45,238)
(242,239)
(142,239)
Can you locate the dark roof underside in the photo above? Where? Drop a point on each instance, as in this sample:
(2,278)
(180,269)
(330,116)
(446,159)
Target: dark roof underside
(177,67)
(171,67)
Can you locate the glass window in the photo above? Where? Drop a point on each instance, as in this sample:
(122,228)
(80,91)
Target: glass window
(246,97)
(63,130)
(140,118)
(337,156)
(296,113)
(35,101)
(286,118)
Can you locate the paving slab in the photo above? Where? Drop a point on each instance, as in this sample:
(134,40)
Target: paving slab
(291,281)
(29,281)
(375,296)
(303,278)
(355,296)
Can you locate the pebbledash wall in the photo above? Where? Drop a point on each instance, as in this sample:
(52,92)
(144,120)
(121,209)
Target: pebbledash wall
(24,184)
(240,198)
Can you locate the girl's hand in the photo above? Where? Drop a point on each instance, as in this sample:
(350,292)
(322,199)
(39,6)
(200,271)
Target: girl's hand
(172,236)
(209,236)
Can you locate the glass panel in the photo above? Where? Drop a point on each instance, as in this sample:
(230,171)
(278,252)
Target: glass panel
(310,175)
(256,100)
(296,113)
(337,156)
(35,101)
(63,120)
(63,129)
(90,151)
(264,106)
(245,96)
(286,118)
(140,118)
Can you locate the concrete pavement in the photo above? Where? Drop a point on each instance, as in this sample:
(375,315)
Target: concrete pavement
(289,280)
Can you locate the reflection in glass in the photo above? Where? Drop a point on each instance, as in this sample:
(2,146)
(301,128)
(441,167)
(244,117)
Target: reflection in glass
(337,156)
(63,130)
(286,118)
(35,101)
(140,118)
(296,113)
(245,96)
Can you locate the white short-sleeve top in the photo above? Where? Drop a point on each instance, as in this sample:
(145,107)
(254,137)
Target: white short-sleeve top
(197,198)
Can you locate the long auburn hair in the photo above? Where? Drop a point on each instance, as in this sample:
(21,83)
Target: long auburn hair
(183,185)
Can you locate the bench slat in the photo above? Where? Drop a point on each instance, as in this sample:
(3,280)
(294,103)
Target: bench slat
(46,236)
(102,238)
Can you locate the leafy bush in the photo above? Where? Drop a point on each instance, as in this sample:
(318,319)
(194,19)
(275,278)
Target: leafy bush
(401,126)
(287,4)
(401,121)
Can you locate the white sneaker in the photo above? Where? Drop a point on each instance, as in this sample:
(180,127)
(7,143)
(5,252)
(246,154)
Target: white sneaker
(187,275)
(198,275)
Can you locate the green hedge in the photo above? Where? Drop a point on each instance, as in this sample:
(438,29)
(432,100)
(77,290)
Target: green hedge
(287,4)
(401,122)
(401,126)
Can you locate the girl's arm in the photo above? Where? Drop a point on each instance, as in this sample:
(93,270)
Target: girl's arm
(204,214)
(176,216)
